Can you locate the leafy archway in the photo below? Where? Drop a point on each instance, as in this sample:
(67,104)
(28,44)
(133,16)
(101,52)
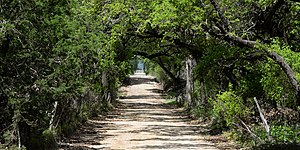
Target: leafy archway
(62,61)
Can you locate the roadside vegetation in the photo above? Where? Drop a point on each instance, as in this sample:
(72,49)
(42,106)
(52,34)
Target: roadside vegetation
(235,63)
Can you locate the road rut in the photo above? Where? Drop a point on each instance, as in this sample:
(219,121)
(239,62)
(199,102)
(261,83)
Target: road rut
(142,120)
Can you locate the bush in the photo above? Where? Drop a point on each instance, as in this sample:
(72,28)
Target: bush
(45,141)
(201,112)
(285,134)
(229,107)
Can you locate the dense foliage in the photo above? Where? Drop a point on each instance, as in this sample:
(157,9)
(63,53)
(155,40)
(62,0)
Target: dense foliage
(58,67)
(62,61)
(238,50)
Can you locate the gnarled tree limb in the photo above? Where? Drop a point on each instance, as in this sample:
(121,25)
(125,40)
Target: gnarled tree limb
(167,71)
(289,72)
(251,44)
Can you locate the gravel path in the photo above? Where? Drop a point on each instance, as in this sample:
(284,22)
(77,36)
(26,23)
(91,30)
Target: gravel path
(142,120)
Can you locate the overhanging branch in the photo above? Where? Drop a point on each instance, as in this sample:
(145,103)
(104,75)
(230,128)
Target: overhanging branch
(251,44)
(151,56)
(166,70)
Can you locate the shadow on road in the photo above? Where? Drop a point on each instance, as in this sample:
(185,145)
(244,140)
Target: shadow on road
(135,80)
(140,118)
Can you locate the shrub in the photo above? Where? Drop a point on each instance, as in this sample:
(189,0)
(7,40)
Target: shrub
(229,107)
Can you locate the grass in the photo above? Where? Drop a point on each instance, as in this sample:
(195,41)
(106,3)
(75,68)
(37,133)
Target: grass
(171,102)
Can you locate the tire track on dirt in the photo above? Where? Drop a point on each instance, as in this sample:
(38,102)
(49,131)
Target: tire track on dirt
(142,120)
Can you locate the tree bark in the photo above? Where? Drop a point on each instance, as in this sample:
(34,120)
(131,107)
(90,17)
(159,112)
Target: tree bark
(189,81)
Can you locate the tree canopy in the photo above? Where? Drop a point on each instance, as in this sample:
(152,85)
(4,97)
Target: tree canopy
(61,61)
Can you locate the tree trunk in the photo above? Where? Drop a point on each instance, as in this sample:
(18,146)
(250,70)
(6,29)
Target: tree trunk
(19,138)
(53,114)
(112,90)
(106,95)
(104,79)
(189,81)
(203,96)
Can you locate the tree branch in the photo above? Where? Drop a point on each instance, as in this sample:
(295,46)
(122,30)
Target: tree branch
(167,71)
(151,56)
(251,44)
(247,129)
(263,119)
(278,59)
(145,36)
(220,14)
(154,34)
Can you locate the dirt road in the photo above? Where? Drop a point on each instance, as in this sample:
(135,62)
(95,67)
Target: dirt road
(142,120)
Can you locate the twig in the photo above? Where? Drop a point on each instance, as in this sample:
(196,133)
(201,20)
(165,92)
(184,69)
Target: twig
(247,128)
(265,123)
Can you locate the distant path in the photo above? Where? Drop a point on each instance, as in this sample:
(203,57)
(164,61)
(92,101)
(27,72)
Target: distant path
(141,121)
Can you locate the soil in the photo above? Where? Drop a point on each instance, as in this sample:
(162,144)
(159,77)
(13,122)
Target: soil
(144,120)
